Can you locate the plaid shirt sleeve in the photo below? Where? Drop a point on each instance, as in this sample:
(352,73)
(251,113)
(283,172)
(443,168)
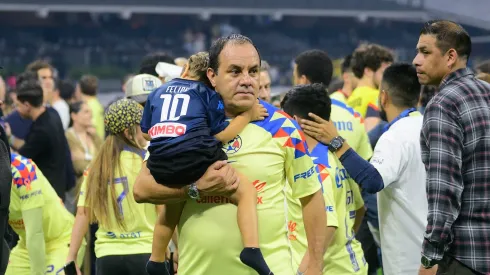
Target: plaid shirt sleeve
(442,146)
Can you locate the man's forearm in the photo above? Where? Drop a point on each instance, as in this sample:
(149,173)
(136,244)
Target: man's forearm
(152,192)
(147,190)
(314,218)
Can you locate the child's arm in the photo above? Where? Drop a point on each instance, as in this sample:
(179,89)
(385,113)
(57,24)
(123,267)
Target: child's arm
(257,112)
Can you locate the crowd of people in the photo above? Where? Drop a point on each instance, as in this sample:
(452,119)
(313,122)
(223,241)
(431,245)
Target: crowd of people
(203,172)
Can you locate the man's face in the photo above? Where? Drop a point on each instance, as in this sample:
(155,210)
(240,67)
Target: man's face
(430,62)
(237,78)
(265,87)
(77,96)
(381,102)
(378,75)
(47,82)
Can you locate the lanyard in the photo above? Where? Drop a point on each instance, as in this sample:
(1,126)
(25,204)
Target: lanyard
(403,114)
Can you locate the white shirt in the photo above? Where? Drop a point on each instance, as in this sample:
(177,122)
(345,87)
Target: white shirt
(64,111)
(402,204)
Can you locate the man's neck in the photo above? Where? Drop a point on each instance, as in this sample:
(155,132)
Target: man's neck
(458,66)
(55,98)
(87,97)
(311,142)
(346,90)
(35,113)
(394,113)
(366,82)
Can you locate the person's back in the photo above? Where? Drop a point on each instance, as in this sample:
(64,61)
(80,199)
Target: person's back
(37,192)
(405,197)
(179,118)
(139,219)
(46,146)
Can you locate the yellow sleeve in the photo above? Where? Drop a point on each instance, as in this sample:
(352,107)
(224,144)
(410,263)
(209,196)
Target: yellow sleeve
(356,193)
(364,147)
(328,196)
(300,170)
(30,192)
(83,190)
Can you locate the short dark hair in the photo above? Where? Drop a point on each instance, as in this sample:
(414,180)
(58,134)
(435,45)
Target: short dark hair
(89,85)
(369,56)
(345,66)
(220,43)
(400,81)
(30,91)
(37,65)
(26,76)
(315,65)
(304,99)
(449,35)
(66,88)
(151,60)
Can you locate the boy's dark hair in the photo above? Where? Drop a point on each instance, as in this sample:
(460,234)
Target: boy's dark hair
(346,64)
(304,99)
(37,65)
(369,56)
(218,45)
(30,91)
(89,85)
(449,35)
(26,76)
(66,88)
(400,81)
(150,61)
(315,65)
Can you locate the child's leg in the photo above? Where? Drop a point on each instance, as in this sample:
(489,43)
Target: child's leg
(246,199)
(168,218)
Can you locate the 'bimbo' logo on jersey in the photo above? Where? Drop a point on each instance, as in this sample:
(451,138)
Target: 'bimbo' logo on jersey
(305,175)
(168,129)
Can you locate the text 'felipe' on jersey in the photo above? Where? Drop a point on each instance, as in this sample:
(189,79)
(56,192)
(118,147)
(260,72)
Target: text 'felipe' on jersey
(182,115)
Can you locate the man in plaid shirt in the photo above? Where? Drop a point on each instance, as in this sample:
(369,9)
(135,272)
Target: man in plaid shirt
(455,143)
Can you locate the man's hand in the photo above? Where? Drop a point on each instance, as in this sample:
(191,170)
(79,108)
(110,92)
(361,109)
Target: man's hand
(430,271)
(322,130)
(219,179)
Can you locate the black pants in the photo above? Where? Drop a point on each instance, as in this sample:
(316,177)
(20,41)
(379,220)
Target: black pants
(451,266)
(184,168)
(122,264)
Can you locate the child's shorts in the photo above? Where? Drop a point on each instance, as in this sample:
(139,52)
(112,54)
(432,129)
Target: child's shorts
(184,168)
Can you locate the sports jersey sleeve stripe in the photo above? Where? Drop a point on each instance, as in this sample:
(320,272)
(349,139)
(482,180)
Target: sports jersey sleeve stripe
(347,108)
(372,110)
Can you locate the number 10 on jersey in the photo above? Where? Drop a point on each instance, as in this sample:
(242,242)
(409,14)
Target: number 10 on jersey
(170,105)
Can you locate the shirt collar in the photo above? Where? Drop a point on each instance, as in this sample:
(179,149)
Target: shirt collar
(456,75)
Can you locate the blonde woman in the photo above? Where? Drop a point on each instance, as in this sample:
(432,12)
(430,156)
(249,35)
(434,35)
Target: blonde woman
(125,232)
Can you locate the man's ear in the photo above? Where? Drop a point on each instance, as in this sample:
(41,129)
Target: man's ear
(185,71)
(211,75)
(303,80)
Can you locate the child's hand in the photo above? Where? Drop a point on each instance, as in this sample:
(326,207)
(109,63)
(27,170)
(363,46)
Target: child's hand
(258,112)
(147,137)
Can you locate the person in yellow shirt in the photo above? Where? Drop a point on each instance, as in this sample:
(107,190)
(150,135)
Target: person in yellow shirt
(86,90)
(368,64)
(349,81)
(125,233)
(344,204)
(272,154)
(314,66)
(43,224)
